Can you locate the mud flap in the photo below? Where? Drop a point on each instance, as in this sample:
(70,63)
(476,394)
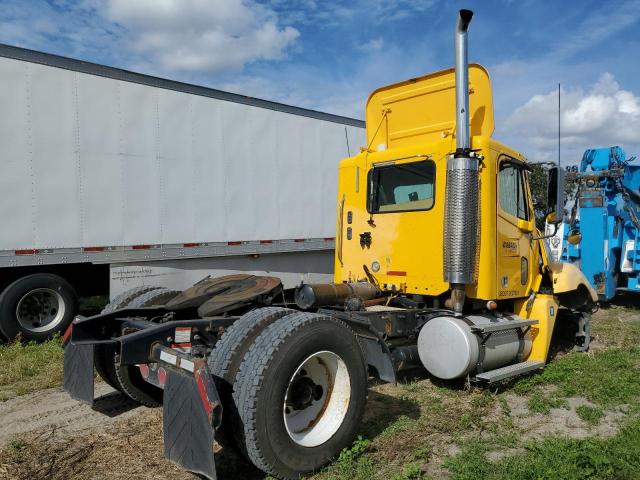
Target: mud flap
(191,411)
(78,372)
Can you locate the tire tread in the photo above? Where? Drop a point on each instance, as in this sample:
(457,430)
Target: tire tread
(250,377)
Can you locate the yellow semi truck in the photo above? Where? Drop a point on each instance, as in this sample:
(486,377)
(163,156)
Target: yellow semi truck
(438,264)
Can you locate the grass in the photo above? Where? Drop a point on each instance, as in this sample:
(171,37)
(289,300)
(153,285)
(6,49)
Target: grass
(556,457)
(540,402)
(591,415)
(353,463)
(26,368)
(609,377)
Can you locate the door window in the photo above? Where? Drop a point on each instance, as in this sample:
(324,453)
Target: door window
(513,197)
(402,188)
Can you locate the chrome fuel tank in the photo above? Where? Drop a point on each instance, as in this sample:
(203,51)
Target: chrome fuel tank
(452,347)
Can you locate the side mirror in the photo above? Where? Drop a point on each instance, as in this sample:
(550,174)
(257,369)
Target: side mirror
(555,194)
(574,237)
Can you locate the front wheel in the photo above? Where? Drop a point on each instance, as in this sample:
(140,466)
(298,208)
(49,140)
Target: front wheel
(300,393)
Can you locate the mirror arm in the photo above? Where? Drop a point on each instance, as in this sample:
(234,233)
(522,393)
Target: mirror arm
(555,230)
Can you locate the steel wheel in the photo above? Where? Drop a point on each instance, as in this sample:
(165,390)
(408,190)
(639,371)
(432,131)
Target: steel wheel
(317,399)
(40,310)
(300,393)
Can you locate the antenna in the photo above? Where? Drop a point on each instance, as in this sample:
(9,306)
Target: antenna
(346,135)
(558,126)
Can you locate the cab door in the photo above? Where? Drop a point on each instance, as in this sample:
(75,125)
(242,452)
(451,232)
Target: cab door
(515,229)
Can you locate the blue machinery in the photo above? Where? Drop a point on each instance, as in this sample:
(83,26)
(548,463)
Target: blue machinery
(602,234)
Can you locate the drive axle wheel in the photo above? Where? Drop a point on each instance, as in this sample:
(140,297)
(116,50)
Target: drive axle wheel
(300,393)
(226,358)
(317,399)
(127,378)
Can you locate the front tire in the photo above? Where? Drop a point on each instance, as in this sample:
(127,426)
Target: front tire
(300,392)
(36,307)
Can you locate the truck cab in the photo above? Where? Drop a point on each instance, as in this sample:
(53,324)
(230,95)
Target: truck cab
(391,199)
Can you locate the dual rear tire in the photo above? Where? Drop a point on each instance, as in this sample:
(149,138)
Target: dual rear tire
(127,378)
(295,386)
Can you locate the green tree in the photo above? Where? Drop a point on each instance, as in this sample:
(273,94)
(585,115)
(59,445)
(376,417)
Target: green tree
(538,184)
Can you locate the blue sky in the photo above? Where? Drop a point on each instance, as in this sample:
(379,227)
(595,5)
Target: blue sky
(328,55)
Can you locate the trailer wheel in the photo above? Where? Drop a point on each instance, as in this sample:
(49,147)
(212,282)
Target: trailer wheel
(36,307)
(300,393)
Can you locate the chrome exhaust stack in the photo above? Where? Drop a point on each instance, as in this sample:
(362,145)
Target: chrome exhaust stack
(463,140)
(461,222)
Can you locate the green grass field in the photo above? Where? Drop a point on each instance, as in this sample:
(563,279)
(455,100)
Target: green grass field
(28,368)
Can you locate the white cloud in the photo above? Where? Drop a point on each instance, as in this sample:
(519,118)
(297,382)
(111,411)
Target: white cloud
(202,35)
(603,116)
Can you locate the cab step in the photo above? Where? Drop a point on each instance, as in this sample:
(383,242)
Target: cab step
(503,325)
(509,371)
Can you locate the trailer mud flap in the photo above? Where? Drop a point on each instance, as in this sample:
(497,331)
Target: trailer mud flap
(78,372)
(191,412)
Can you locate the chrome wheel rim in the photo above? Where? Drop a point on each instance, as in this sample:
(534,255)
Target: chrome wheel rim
(40,310)
(317,399)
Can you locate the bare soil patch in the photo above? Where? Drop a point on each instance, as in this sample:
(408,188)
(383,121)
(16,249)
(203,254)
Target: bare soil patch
(562,421)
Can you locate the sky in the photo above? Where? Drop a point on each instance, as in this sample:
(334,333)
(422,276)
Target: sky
(329,55)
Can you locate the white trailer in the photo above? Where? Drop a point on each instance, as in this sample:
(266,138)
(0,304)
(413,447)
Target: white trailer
(110,177)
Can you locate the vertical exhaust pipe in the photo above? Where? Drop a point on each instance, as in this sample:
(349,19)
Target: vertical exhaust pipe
(463,140)
(461,222)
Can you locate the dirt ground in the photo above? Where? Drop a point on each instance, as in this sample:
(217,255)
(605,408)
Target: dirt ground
(48,435)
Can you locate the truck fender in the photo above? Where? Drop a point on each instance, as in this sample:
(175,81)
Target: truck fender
(376,351)
(571,285)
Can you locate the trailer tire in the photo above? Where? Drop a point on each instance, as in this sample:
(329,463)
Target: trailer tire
(43,296)
(300,393)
